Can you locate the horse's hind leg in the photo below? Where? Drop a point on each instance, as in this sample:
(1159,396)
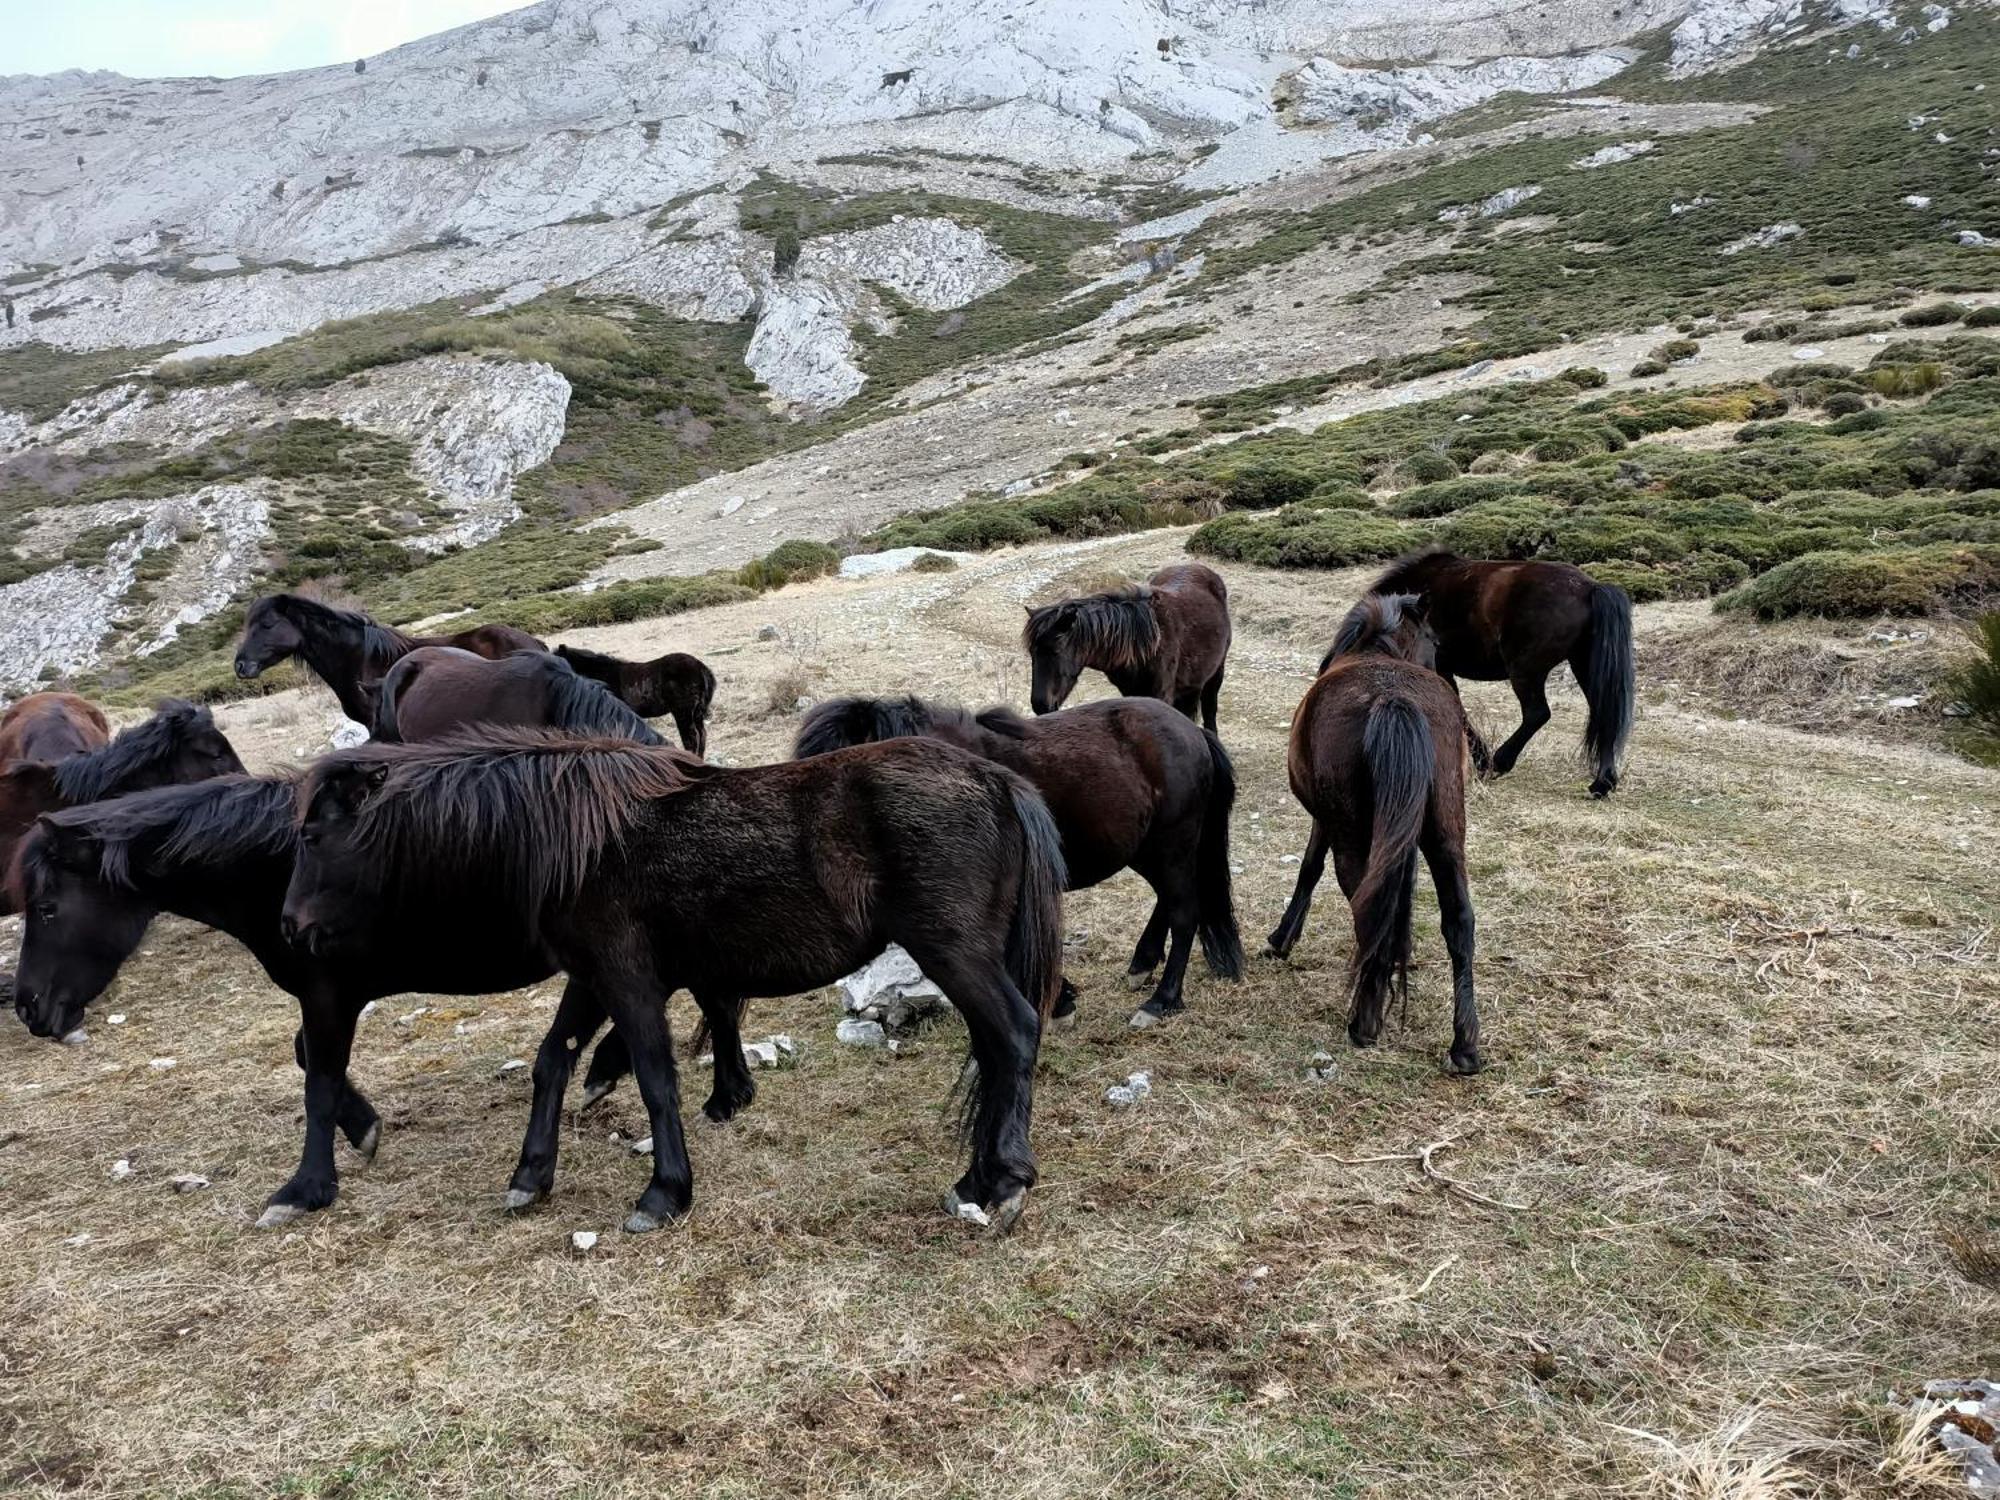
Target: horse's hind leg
(576,1021)
(1005,1034)
(610,1062)
(1445,854)
(1178,910)
(329,1037)
(1533,693)
(352,1112)
(1286,935)
(734,1087)
(1151,949)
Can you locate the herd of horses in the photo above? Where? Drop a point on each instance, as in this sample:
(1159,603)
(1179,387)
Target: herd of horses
(514,816)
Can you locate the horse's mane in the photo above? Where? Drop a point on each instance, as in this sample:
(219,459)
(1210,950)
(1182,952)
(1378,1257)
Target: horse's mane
(533,810)
(584,705)
(841,722)
(1117,628)
(226,820)
(1411,573)
(97,774)
(1367,625)
(332,624)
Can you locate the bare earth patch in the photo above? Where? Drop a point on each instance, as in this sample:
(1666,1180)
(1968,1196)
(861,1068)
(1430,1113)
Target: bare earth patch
(1740,1021)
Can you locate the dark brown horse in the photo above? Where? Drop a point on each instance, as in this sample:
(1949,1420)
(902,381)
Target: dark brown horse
(1519,621)
(675,684)
(645,871)
(50,727)
(179,743)
(1168,639)
(438,690)
(1129,782)
(346,649)
(91,879)
(1377,757)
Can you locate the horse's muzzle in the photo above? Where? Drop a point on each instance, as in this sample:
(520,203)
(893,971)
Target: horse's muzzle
(246,669)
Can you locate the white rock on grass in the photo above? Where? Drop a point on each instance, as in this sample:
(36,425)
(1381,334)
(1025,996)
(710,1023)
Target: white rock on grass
(858,1033)
(511,1065)
(1487,208)
(188,1182)
(891,989)
(895,560)
(1609,156)
(1762,239)
(162,1064)
(1137,1086)
(583,1241)
(121,1169)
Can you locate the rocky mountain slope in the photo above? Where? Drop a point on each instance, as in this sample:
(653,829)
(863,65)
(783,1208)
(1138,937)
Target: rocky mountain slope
(586,255)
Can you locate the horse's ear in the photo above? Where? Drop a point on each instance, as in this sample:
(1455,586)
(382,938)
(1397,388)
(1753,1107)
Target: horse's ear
(73,848)
(30,778)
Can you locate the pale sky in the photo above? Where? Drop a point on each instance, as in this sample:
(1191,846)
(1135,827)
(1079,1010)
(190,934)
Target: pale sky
(186,38)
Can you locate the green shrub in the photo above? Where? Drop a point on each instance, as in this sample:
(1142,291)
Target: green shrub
(789,562)
(1448,495)
(1895,581)
(1936,315)
(1845,404)
(1977,683)
(1600,537)
(1918,378)
(1335,494)
(1427,466)
(1984,317)
(1565,447)
(1647,368)
(1256,485)
(1645,585)
(1673,351)
(934,562)
(1590,378)
(1516,527)
(1299,538)
(1776,331)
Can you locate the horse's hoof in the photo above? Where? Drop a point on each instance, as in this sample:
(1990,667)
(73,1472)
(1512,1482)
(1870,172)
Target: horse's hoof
(278,1215)
(1003,1216)
(520,1198)
(1138,979)
(1066,1021)
(596,1091)
(1464,1065)
(75,1038)
(1601,789)
(370,1142)
(641,1222)
(1144,1020)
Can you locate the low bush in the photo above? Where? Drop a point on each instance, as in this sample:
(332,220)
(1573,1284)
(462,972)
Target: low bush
(1936,315)
(1448,495)
(789,562)
(1893,581)
(1297,537)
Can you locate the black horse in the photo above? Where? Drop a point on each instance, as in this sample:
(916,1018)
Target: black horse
(1129,782)
(346,649)
(645,870)
(439,690)
(675,684)
(91,879)
(1166,639)
(1520,621)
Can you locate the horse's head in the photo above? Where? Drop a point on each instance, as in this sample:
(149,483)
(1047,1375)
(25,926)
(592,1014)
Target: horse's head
(1393,624)
(1054,652)
(197,750)
(334,884)
(78,925)
(269,636)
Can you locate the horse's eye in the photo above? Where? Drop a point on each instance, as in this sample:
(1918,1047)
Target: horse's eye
(46,910)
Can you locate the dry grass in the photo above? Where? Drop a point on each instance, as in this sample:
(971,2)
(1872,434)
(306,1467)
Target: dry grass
(1740,1024)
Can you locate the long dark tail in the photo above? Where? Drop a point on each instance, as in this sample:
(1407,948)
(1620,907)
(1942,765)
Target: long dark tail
(1221,944)
(1608,683)
(1034,939)
(1401,761)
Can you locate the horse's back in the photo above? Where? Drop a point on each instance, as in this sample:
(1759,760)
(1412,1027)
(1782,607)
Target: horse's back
(437,689)
(494,641)
(51,727)
(1327,759)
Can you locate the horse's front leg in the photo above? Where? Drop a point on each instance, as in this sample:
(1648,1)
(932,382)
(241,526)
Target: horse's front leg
(576,1021)
(355,1116)
(635,997)
(329,1036)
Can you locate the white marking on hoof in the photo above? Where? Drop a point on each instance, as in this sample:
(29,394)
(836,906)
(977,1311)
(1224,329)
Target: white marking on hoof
(75,1038)
(278,1215)
(1137,981)
(597,1091)
(520,1198)
(371,1142)
(1070,1022)
(1143,1020)
(641,1222)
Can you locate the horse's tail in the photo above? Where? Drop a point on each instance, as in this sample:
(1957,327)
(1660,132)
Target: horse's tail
(704,688)
(1034,937)
(388,688)
(1607,680)
(1396,743)
(1221,944)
